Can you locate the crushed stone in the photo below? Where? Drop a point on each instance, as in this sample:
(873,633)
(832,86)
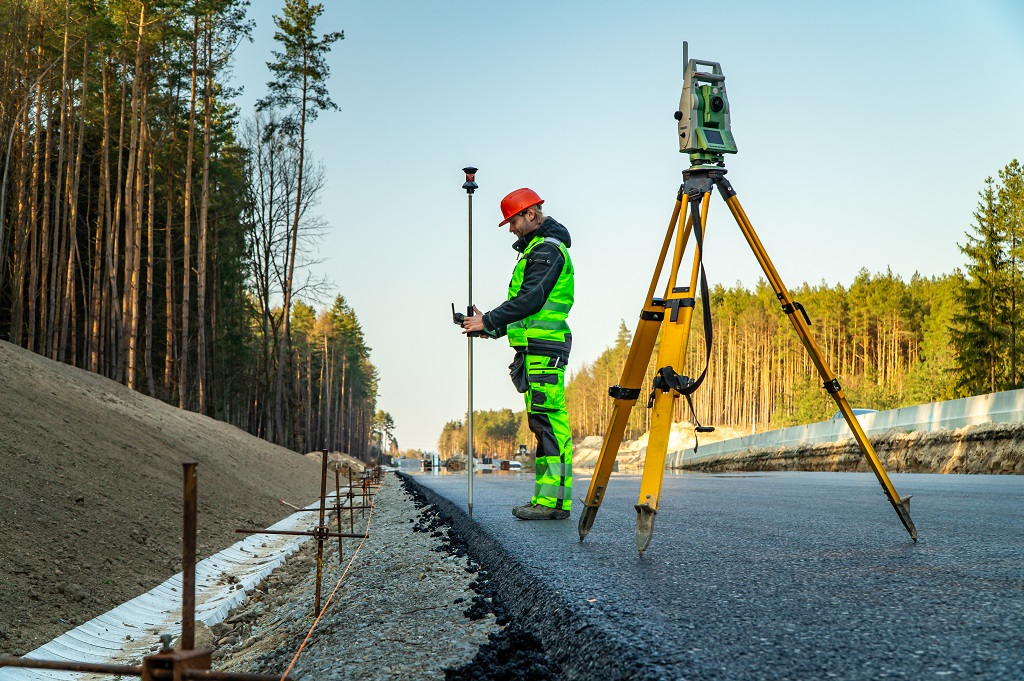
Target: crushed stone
(413,605)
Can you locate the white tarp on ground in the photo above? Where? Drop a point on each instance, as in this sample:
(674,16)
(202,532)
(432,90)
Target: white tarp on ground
(1002,407)
(132,630)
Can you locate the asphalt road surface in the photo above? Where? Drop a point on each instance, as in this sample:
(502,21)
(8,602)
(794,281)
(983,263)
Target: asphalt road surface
(764,576)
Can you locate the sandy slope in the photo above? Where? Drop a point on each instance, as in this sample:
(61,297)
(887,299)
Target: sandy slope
(91,488)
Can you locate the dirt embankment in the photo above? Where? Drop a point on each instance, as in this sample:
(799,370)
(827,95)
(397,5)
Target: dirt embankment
(91,491)
(990,448)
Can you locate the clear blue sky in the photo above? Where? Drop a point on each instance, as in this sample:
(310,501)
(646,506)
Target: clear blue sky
(865,131)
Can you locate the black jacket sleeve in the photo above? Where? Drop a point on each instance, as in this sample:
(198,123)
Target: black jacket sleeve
(543,267)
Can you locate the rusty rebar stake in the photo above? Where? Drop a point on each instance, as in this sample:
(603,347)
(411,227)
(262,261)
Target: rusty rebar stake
(322,532)
(337,512)
(320,529)
(172,665)
(190,503)
(351,502)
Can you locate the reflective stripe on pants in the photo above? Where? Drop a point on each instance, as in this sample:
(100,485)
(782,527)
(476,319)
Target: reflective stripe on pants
(549,422)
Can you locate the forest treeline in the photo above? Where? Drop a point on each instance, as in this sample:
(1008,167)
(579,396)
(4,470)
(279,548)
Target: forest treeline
(886,339)
(151,233)
(495,433)
(891,342)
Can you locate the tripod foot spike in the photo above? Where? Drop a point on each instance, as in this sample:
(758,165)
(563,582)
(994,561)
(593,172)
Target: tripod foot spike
(644,526)
(903,509)
(587,520)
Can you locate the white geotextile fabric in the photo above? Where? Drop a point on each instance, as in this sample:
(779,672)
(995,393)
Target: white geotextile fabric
(132,630)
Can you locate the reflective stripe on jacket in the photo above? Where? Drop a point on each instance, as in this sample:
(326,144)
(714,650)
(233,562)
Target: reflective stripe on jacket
(548,325)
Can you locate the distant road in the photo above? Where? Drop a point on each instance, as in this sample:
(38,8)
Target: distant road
(766,576)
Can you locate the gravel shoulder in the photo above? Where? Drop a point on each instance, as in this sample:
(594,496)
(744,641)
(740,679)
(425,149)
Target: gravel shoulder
(407,608)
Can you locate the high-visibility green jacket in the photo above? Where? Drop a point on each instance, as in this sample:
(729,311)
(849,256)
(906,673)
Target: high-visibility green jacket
(540,295)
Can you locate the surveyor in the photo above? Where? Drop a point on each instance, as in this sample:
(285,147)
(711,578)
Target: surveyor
(539,298)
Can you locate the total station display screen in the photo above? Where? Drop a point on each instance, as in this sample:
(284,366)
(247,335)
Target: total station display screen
(713,136)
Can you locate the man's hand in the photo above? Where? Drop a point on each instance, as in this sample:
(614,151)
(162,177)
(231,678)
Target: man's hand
(474,324)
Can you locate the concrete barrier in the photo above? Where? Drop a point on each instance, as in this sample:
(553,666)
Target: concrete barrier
(1001,407)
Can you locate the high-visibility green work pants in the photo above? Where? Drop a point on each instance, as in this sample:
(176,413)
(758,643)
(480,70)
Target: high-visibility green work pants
(549,421)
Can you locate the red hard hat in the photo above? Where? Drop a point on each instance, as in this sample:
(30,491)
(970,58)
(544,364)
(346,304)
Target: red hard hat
(517,202)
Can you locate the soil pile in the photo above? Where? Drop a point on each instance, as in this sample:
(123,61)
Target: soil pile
(91,492)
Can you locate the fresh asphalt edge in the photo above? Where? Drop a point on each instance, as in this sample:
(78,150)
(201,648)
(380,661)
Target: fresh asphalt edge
(579,647)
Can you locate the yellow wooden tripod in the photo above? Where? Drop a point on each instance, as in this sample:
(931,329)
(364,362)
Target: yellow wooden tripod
(671,314)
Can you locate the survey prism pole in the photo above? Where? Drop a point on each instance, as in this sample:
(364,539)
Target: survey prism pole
(470,186)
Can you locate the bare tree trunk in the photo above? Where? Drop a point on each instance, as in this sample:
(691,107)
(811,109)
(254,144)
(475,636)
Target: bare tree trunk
(186,285)
(58,248)
(136,260)
(329,421)
(133,214)
(73,256)
(46,235)
(284,350)
(41,226)
(115,350)
(169,335)
(204,207)
(150,264)
(169,354)
(214,356)
(350,424)
(23,235)
(268,327)
(311,441)
(33,227)
(321,440)
(102,213)
(340,412)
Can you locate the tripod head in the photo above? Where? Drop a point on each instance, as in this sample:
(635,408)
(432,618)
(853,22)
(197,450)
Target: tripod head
(704,130)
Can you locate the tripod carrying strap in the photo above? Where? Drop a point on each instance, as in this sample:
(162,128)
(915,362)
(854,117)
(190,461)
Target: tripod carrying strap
(667,378)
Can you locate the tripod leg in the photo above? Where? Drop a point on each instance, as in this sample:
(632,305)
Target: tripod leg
(800,321)
(679,306)
(626,392)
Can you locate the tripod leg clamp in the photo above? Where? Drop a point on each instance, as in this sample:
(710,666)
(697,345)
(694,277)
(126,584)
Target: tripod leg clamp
(617,392)
(790,308)
(667,379)
(725,187)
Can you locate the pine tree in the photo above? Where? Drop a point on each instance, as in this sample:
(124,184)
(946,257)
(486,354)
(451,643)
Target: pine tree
(932,378)
(300,90)
(1011,212)
(125,202)
(980,331)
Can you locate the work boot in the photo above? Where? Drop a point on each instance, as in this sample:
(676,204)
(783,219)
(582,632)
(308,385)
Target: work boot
(516,510)
(538,512)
